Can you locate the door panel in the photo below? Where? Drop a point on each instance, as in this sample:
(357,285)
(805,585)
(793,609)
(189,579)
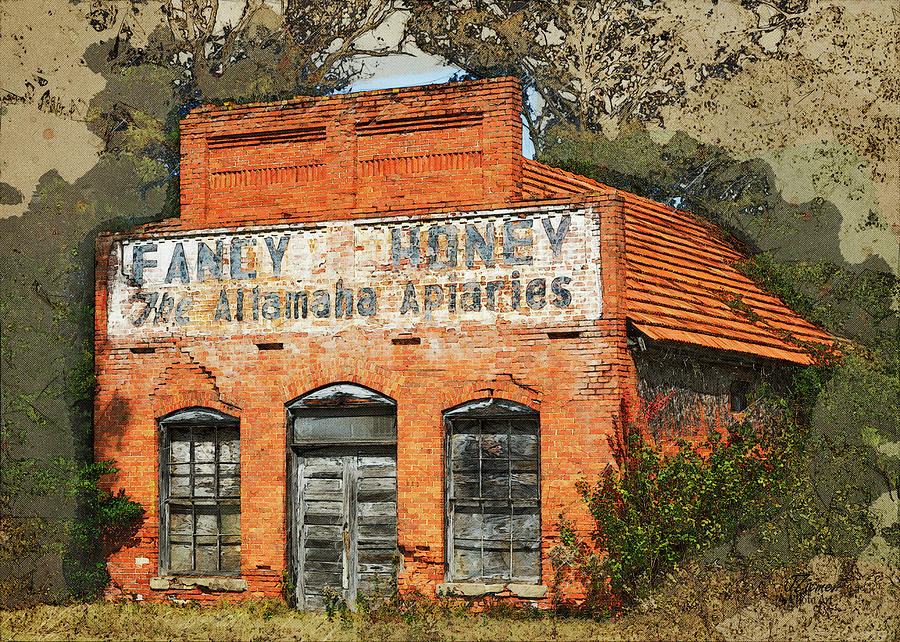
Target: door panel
(375,526)
(346,521)
(322,504)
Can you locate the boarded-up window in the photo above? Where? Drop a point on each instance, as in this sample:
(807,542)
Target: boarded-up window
(493,492)
(200,493)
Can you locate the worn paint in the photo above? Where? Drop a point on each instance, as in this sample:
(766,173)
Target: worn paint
(517,265)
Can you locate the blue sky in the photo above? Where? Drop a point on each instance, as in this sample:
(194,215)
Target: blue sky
(411,70)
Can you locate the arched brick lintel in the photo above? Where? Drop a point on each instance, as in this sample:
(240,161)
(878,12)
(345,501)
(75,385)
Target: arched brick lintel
(308,378)
(498,389)
(206,399)
(445,395)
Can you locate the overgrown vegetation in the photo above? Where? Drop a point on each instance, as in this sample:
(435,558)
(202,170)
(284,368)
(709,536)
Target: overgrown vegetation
(663,504)
(815,474)
(102,523)
(660,509)
(829,598)
(831,485)
(106,521)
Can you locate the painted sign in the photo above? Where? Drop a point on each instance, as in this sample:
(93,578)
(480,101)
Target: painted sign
(521,267)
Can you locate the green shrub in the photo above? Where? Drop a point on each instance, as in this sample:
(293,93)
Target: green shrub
(660,508)
(105,522)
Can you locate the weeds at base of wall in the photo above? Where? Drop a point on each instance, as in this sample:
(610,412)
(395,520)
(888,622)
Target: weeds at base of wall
(828,598)
(288,589)
(760,499)
(658,509)
(382,612)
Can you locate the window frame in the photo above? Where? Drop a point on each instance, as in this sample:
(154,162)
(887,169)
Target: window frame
(490,408)
(202,418)
(340,400)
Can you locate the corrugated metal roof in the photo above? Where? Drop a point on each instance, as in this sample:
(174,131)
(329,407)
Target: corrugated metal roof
(682,284)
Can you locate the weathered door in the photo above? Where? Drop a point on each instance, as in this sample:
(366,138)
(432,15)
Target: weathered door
(346,521)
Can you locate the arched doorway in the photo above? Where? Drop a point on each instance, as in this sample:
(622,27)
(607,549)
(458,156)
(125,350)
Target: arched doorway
(343,520)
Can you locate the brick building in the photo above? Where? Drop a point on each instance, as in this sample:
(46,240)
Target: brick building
(378,339)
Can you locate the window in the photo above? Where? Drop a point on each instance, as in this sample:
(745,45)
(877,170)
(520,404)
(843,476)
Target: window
(200,493)
(343,413)
(493,492)
(738,395)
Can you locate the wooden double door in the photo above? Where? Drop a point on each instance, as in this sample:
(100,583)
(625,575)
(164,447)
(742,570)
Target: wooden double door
(345,521)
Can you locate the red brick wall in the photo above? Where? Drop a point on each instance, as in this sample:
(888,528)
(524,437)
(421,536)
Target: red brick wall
(345,155)
(576,380)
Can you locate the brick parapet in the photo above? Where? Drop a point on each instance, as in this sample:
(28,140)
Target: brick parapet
(347,155)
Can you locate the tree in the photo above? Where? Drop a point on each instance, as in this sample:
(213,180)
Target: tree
(598,64)
(203,54)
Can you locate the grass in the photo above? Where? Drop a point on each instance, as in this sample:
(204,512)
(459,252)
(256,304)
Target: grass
(828,599)
(143,621)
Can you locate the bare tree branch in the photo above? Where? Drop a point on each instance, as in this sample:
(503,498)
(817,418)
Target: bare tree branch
(594,63)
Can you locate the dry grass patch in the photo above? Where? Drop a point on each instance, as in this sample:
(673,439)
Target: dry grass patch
(829,598)
(141,621)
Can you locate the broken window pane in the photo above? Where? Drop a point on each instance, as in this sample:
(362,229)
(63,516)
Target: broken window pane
(181,521)
(180,486)
(229,446)
(203,527)
(467,560)
(493,452)
(207,553)
(180,450)
(231,554)
(204,448)
(493,446)
(180,556)
(231,520)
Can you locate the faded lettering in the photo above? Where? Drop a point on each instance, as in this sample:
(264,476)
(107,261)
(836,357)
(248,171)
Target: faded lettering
(513,241)
(370,273)
(236,262)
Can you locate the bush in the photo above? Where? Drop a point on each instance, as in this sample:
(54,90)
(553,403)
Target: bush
(660,508)
(103,522)
(106,522)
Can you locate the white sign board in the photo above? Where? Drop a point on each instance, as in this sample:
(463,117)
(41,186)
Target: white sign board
(511,266)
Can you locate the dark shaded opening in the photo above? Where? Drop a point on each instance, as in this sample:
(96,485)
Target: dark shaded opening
(738,396)
(270,346)
(564,335)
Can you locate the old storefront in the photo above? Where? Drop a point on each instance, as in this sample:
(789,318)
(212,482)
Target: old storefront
(378,341)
